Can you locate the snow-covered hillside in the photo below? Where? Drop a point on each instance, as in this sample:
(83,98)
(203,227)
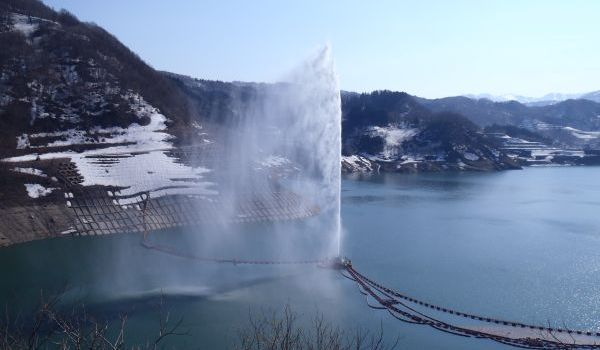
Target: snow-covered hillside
(134,158)
(389,131)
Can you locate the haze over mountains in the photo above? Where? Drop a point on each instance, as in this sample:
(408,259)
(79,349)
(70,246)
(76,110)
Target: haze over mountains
(547,99)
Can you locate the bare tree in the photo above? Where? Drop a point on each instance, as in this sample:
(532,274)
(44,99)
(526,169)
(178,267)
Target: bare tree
(166,329)
(50,328)
(273,331)
(76,329)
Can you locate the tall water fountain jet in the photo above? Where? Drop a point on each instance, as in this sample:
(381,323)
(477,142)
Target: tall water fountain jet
(291,131)
(315,128)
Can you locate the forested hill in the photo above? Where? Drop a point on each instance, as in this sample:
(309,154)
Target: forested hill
(67,85)
(394,132)
(570,123)
(58,73)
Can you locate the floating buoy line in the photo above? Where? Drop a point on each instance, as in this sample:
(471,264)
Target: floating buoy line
(410,310)
(414,311)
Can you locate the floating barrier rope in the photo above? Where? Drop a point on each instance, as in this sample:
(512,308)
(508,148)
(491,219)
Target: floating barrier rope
(234,261)
(397,304)
(522,335)
(173,251)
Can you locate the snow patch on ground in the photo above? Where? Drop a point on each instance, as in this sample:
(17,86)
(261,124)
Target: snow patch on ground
(142,166)
(152,171)
(356,163)
(551,152)
(471,156)
(393,136)
(23,141)
(37,190)
(135,133)
(30,171)
(410,160)
(145,137)
(543,152)
(583,135)
(22,24)
(142,136)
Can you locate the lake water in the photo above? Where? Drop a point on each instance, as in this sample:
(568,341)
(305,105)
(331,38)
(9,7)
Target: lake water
(518,245)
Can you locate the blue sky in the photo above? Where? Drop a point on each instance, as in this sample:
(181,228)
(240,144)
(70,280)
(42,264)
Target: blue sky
(427,48)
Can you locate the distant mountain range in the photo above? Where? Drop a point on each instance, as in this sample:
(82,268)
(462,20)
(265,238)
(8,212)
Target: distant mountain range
(570,123)
(545,100)
(399,132)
